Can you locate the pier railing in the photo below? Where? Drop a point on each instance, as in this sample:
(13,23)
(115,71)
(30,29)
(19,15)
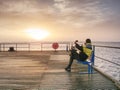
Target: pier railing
(14,46)
(109,47)
(107,61)
(33,46)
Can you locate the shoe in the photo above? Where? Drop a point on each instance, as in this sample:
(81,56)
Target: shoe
(68,69)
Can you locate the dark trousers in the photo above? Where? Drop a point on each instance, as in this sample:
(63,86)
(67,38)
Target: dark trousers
(73,55)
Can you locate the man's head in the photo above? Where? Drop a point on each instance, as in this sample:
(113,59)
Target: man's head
(88,41)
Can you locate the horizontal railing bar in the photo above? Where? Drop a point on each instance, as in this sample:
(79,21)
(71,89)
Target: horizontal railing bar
(107,60)
(33,42)
(13,43)
(107,46)
(15,47)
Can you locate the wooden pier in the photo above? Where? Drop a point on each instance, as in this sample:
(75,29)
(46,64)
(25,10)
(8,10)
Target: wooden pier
(45,71)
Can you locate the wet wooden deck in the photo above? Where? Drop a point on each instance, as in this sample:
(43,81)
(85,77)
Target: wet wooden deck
(45,71)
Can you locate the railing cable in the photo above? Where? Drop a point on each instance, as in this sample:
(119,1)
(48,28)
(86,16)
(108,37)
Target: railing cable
(108,60)
(107,46)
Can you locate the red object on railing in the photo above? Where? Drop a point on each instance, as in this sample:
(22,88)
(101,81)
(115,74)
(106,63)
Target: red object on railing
(55,45)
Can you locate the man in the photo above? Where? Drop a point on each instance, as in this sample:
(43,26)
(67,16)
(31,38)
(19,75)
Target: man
(81,53)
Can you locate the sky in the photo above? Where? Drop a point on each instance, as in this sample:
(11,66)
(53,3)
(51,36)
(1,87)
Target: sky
(64,20)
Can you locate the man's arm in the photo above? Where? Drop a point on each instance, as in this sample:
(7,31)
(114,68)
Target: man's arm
(79,47)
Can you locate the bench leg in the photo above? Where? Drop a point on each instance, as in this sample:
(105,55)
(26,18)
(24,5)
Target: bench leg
(90,69)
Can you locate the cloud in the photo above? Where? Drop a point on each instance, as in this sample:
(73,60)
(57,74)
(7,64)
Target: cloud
(60,15)
(77,13)
(61,4)
(23,6)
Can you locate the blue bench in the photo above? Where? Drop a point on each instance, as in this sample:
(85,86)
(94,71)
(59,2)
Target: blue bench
(89,63)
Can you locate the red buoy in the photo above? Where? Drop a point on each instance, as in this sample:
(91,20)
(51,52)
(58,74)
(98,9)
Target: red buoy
(55,45)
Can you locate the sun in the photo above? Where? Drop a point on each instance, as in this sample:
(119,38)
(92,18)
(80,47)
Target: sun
(37,34)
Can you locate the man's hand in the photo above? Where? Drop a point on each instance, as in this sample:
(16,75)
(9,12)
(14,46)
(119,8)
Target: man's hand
(76,41)
(78,51)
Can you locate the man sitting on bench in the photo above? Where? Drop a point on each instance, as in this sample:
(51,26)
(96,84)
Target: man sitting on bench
(81,53)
